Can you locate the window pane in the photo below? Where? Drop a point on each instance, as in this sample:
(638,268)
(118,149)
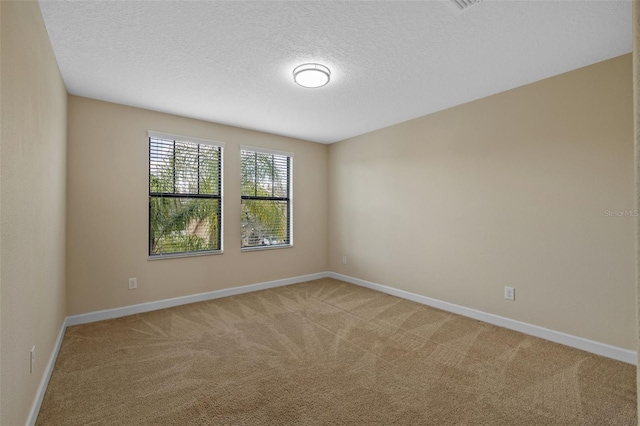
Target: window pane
(160,166)
(179,225)
(264,175)
(183,167)
(248,178)
(280,176)
(264,223)
(209,170)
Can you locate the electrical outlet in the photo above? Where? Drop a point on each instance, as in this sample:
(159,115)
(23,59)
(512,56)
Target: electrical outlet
(32,359)
(510,293)
(133,283)
(344,260)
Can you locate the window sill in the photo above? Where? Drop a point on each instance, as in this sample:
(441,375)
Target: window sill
(274,247)
(180,255)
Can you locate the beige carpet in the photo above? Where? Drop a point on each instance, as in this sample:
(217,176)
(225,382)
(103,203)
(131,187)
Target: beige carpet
(326,353)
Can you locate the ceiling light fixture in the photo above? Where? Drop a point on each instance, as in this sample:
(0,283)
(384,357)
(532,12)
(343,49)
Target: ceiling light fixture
(311,75)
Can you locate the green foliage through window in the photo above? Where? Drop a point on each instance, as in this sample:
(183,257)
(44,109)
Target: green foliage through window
(185,204)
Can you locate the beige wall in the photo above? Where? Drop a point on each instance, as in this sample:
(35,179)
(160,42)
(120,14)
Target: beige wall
(510,190)
(32,215)
(636,116)
(1,121)
(107,228)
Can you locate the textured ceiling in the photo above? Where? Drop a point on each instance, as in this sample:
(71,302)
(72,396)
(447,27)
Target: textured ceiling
(231,62)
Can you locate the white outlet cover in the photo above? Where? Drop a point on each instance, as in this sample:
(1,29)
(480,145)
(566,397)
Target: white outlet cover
(32,359)
(133,283)
(509,293)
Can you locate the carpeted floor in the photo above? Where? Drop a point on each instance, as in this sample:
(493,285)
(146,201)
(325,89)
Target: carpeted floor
(326,353)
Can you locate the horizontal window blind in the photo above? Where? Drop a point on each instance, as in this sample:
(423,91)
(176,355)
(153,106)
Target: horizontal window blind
(185,197)
(265,198)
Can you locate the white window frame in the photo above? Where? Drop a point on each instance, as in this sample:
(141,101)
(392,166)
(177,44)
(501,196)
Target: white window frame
(169,136)
(290,196)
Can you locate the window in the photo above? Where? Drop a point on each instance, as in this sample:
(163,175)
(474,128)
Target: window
(185,196)
(266,198)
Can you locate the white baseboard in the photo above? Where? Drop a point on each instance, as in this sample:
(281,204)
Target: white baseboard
(42,389)
(609,351)
(177,301)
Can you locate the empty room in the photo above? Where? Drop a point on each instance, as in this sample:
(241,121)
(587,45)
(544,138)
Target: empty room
(319,212)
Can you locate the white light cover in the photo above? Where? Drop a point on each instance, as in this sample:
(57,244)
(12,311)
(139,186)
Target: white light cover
(311,75)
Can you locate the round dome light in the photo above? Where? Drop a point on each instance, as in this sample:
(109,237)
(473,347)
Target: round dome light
(311,75)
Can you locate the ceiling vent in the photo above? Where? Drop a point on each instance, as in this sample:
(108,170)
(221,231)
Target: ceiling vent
(462,5)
